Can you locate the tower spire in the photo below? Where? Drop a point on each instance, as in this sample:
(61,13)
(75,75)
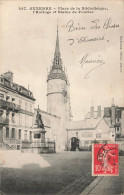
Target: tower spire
(113,103)
(56,71)
(57,62)
(57,50)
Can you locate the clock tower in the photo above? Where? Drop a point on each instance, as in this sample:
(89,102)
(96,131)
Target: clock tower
(58,98)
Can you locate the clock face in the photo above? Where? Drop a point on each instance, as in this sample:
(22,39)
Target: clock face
(64,93)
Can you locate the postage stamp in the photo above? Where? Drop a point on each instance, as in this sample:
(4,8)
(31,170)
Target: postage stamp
(105,160)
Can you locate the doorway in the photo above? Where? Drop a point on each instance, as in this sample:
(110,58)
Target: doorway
(74,143)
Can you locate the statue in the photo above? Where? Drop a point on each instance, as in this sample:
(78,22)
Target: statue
(39,121)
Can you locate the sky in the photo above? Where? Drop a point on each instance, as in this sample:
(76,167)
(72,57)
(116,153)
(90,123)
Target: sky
(28,44)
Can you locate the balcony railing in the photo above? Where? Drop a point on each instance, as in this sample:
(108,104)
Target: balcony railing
(4,121)
(9,105)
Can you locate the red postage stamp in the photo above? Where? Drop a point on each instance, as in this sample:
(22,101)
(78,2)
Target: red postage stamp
(105,159)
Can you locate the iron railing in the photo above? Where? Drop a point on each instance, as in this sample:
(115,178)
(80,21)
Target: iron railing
(9,105)
(45,146)
(4,121)
(12,141)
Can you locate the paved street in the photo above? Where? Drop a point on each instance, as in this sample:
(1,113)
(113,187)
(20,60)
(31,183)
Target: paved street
(69,173)
(108,185)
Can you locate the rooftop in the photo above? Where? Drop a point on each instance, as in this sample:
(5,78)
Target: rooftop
(47,113)
(6,80)
(83,124)
(57,71)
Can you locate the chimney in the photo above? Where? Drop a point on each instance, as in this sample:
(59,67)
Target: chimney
(98,111)
(113,115)
(9,76)
(91,111)
(107,112)
(122,123)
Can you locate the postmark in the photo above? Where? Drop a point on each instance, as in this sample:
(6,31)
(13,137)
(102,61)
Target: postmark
(105,161)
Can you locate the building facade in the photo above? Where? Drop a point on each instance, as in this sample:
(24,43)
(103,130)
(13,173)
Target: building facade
(116,116)
(105,126)
(16,113)
(94,128)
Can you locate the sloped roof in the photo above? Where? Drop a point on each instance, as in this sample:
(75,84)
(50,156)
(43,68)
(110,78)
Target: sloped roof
(84,124)
(16,87)
(108,121)
(47,113)
(46,121)
(45,117)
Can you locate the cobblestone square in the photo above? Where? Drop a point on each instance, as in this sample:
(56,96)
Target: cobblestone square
(70,173)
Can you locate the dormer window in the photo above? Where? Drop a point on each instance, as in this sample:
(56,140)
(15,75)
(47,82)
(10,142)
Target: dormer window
(13,114)
(2,79)
(20,89)
(13,85)
(30,94)
(7,97)
(1,112)
(1,95)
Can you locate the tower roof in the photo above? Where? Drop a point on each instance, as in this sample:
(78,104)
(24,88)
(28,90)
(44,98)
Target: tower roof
(57,71)
(57,62)
(57,50)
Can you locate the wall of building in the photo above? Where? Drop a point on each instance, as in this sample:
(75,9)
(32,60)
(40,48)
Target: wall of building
(55,97)
(102,132)
(20,122)
(54,129)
